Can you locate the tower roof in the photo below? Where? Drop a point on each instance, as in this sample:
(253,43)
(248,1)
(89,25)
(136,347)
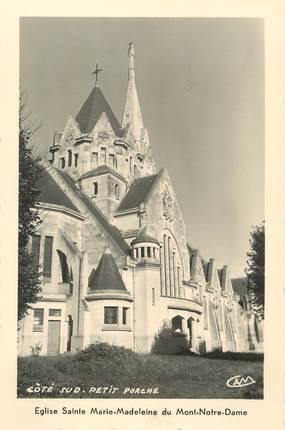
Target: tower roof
(144,238)
(107,275)
(132,113)
(92,109)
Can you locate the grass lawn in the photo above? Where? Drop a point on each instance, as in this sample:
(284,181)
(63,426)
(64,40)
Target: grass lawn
(179,376)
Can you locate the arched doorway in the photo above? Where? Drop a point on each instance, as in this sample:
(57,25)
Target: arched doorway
(176,324)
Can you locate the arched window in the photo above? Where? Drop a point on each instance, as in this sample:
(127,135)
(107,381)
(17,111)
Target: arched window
(117,191)
(69,158)
(95,188)
(170,266)
(64,266)
(176,323)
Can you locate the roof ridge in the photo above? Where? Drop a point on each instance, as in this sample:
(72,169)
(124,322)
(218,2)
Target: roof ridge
(102,166)
(113,231)
(137,194)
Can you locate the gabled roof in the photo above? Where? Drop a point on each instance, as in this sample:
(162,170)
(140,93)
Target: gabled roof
(107,275)
(92,109)
(111,229)
(99,171)
(137,193)
(52,193)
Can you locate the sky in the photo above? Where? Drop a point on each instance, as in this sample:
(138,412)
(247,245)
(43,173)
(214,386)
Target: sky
(201,88)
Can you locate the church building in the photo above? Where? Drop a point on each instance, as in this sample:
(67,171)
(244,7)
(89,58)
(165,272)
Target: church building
(112,249)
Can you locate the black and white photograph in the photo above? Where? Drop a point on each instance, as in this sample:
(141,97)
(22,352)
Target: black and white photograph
(141,209)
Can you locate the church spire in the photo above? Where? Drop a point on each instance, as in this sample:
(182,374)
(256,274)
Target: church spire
(131,55)
(132,116)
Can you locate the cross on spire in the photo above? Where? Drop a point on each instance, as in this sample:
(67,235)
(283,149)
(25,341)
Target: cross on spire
(96,72)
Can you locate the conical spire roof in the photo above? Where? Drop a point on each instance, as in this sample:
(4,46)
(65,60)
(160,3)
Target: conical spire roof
(107,275)
(91,111)
(132,113)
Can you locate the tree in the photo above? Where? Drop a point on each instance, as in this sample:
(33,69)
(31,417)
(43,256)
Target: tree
(29,284)
(255,269)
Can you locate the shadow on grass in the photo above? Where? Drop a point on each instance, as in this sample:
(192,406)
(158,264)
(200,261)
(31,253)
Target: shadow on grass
(241,356)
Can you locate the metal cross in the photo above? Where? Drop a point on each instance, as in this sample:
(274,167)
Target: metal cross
(96,72)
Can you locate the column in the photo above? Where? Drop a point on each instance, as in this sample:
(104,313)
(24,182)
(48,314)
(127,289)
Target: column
(174,275)
(170,268)
(184,327)
(194,334)
(166,265)
(162,272)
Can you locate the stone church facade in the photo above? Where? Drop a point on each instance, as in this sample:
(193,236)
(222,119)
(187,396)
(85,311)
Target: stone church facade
(112,246)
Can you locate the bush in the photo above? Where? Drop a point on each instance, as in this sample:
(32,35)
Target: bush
(105,351)
(167,342)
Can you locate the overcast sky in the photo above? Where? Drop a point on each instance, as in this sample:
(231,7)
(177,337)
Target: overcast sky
(201,88)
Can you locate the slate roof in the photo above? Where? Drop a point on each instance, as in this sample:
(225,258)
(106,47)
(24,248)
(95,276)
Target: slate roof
(144,238)
(206,270)
(240,286)
(220,275)
(91,111)
(52,193)
(107,275)
(99,171)
(137,193)
(111,229)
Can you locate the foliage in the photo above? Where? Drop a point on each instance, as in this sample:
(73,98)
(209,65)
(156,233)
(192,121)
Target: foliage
(29,284)
(255,268)
(29,175)
(179,376)
(103,350)
(36,349)
(167,342)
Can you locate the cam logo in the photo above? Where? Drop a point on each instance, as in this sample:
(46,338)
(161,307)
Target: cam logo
(238,381)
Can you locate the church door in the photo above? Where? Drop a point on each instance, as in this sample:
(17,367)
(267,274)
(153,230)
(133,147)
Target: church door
(53,337)
(69,332)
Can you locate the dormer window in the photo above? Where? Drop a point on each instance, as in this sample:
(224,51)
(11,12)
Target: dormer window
(95,188)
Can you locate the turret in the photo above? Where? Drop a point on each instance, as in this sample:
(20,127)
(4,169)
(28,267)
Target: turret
(145,249)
